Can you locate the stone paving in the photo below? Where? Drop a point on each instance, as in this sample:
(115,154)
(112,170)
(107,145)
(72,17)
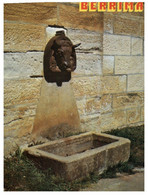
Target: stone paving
(134,182)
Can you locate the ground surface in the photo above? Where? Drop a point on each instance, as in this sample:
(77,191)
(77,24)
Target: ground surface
(134,182)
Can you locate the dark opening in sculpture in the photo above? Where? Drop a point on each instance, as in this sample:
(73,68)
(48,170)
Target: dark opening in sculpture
(59,59)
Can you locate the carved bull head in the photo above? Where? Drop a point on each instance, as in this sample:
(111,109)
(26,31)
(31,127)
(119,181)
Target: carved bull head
(59,57)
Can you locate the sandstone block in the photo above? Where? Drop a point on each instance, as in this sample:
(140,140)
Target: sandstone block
(23,64)
(129,64)
(137,46)
(142,28)
(21,91)
(39,13)
(106,103)
(23,37)
(86,86)
(128,100)
(133,115)
(108,64)
(135,82)
(126,26)
(90,122)
(89,40)
(18,112)
(108,22)
(19,128)
(113,84)
(88,64)
(113,120)
(70,16)
(116,45)
(88,106)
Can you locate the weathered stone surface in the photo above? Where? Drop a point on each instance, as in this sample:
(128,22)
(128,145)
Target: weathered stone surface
(19,128)
(23,37)
(21,91)
(116,45)
(142,113)
(108,64)
(56,114)
(106,103)
(91,40)
(88,106)
(88,64)
(108,22)
(118,154)
(137,46)
(126,26)
(113,120)
(18,112)
(70,16)
(142,28)
(128,100)
(90,122)
(113,84)
(23,64)
(135,82)
(129,64)
(133,115)
(40,13)
(86,86)
(77,156)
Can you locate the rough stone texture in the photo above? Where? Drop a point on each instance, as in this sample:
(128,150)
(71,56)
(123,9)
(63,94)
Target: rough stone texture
(19,128)
(81,155)
(86,86)
(129,64)
(21,91)
(106,103)
(135,82)
(108,22)
(91,41)
(128,100)
(112,120)
(90,122)
(23,37)
(113,84)
(88,64)
(108,65)
(116,45)
(137,46)
(13,113)
(133,115)
(56,114)
(88,106)
(39,13)
(127,26)
(23,64)
(70,16)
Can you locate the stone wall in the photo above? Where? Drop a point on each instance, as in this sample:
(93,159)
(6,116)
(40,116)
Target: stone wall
(108,81)
(123,70)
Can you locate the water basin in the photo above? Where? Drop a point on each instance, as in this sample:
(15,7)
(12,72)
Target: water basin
(77,156)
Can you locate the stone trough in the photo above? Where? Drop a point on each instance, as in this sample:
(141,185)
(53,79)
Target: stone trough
(75,157)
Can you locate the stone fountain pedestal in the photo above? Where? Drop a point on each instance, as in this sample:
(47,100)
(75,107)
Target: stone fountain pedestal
(57,114)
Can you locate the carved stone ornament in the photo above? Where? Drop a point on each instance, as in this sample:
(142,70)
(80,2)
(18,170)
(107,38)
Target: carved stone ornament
(59,59)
